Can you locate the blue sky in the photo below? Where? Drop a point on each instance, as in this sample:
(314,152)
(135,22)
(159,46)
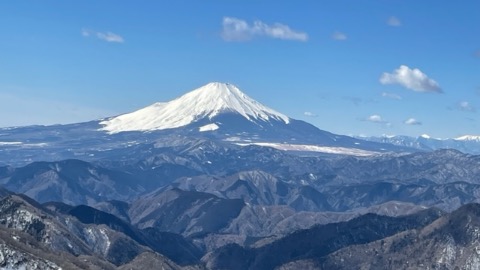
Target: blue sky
(349,67)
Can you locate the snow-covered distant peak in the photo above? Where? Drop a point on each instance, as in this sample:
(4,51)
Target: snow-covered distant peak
(468,138)
(425,136)
(205,102)
(389,136)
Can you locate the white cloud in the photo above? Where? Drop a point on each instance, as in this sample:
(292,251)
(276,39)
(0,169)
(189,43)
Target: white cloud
(107,36)
(394,21)
(310,114)
(391,95)
(375,118)
(239,30)
(110,37)
(339,36)
(466,106)
(413,79)
(412,122)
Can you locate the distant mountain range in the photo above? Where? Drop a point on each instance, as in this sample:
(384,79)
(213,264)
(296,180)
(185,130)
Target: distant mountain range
(216,111)
(257,176)
(467,144)
(216,180)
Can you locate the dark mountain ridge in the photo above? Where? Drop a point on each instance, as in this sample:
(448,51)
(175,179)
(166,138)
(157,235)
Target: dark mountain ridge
(317,241)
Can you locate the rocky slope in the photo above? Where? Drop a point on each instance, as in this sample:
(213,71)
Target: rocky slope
(450,242)
(82,230)
(60,236)
(316,242)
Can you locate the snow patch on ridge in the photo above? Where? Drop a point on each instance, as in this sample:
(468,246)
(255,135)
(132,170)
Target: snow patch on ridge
(209,127)
(10,143)
(314,148)
(205,102)
(21,144)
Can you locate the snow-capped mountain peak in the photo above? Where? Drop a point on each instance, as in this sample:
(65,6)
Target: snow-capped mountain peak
(205,102)
(425,136)
(468,138)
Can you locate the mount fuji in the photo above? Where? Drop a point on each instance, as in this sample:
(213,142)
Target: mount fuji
(217,112)
(222,111)
(203,105)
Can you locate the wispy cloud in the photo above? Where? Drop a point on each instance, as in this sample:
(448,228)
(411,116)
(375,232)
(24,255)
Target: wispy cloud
(394,21)
(413,79)
(470,119)
(310,114)
(105,36)
(391,96)
(355,100)
(235,29)
(466,106)
(110,37)
(86,32)
(339,36)
(412,122)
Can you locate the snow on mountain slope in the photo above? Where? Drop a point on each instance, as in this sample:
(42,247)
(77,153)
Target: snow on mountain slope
(315,148)
(205,102)
(209,127)
(466,143)
(468,138)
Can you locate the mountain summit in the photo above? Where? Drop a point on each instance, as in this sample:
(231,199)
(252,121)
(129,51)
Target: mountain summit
(222,112)
(204,103)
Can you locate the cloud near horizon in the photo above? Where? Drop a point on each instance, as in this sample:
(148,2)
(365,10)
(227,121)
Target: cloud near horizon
(107,36)
(413,79)
(235,29)
(310,114)
(375,118)
(412,122)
